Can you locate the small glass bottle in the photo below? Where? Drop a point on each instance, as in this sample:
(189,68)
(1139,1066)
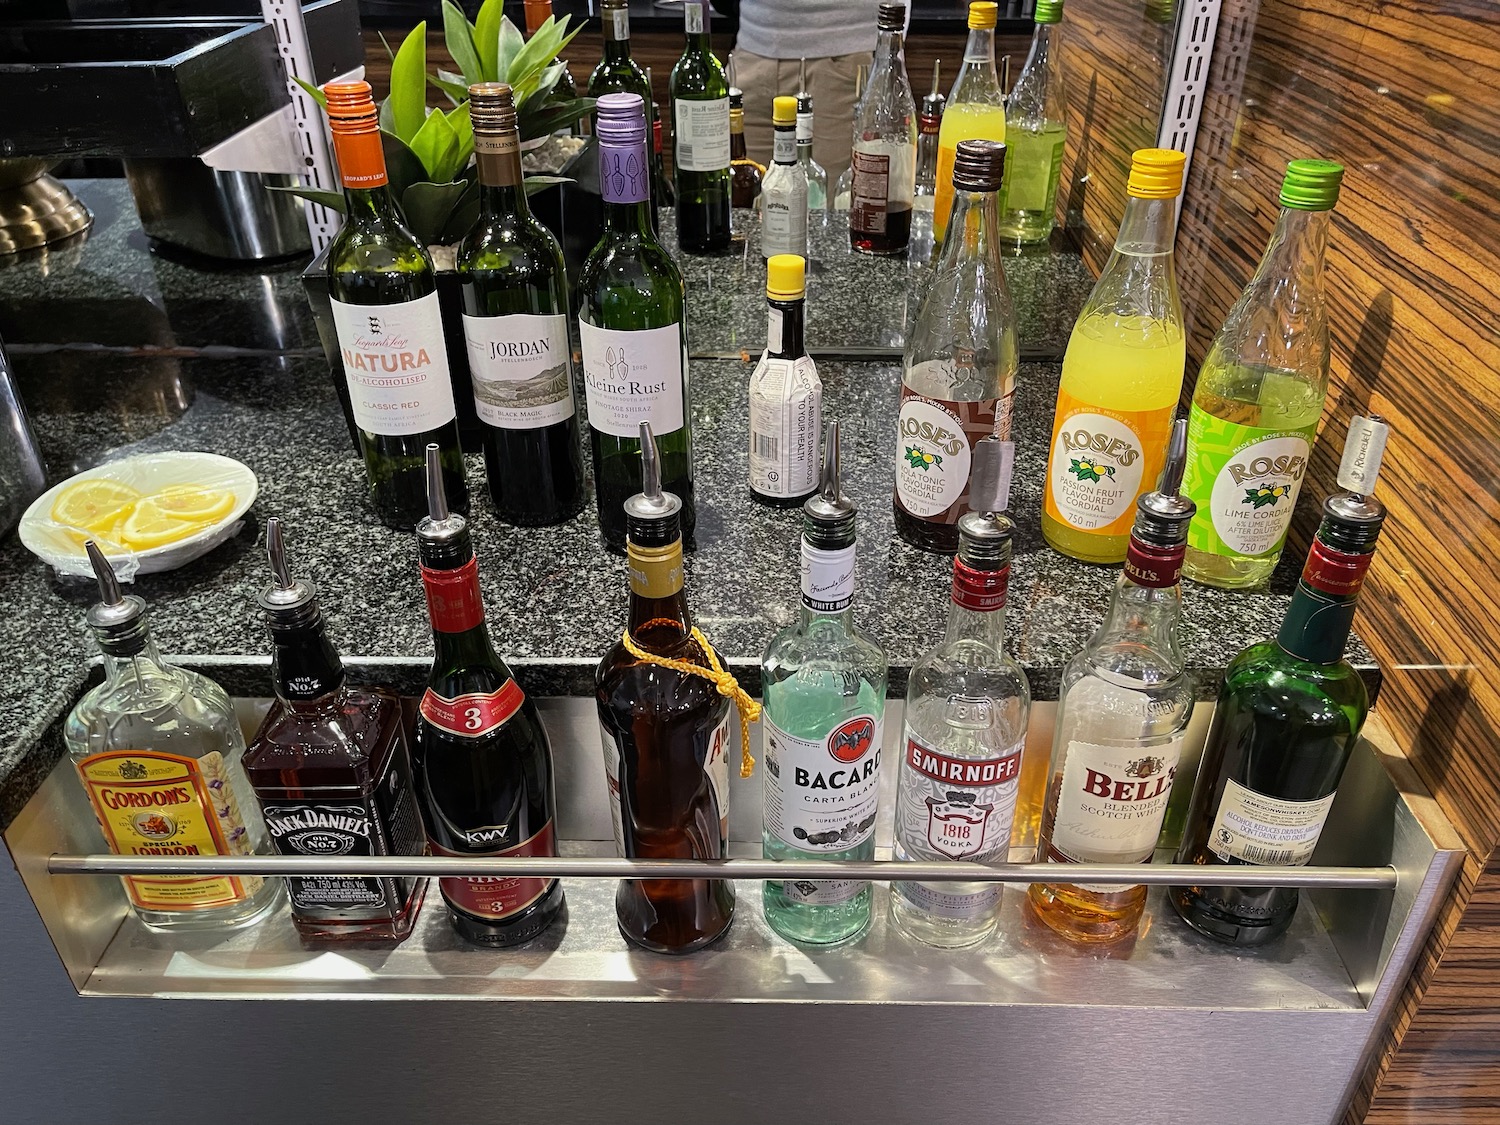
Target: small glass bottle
(959,372)
(824,686)
(967,707)
(817,178)
(929,122)
(783,228)
(158,749)
(331,770)
(746,175)
(786,396)
(975,109)
(1036,129)
(1122,715)
(884,160)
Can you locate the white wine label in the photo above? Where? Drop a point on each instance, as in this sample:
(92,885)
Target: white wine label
(396,365)
(1111,803)
(956,808)
(827,578)
(702,137)
(519,365)
(612,782)
(716,764)
(1270,831)
(630,377)
(820,793)
(786,412)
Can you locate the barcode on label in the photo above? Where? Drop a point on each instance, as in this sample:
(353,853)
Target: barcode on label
(1269,857)
(684,153)
(767,446)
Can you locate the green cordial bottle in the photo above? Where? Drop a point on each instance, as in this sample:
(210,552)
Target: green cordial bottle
(1036,129)
(390,333)
(700,139)
(1260,394)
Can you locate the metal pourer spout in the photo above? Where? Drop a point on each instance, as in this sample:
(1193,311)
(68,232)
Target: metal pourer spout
(651,514)
(118,620)
(650,465)
(288,601)
(1176,466)
(109,585)
(829,484)
(276,552)
(1162,516)
(830,515)
(437,498)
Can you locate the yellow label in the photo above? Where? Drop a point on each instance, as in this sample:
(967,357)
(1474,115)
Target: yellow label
(150,803)
(1101,460)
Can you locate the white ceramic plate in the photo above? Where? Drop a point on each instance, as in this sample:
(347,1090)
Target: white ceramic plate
(147,473)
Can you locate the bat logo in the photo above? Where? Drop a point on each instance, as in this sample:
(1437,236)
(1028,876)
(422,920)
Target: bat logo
(850,742)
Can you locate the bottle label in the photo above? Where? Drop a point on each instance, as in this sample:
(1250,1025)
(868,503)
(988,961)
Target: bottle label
(612,782)
(396,365)
(784,212)
(820,793)
(934,451)
(716,764)
(630,377)
(519,364)
(693,17)
(869,191)
(1336,573)
(1245,481)
(1154,567)
(939,900)
(624,172)
(453,602)
(1254,828)
(1101,460)
(149,803)
(786,412)
(957,808)
(980,591)
(496,897)
(655,572)
(822,892)
(474,714)
(1111,803)
(784,146)
(702,138)
(617,24)
(827,578)
(804,132)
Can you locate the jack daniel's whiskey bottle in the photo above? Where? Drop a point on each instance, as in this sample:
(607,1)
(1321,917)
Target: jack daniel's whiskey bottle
(484,765)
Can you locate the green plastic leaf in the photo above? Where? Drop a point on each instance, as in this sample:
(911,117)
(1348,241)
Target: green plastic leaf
(538,86)
(552,116)
(487,38)
(463,129)
(402,166)
(436,146)
(408,97)
(428,206)
(458,36)
(462,217)
(456,92)
(539,50)
(507,47)
(535,184)
(333,200)
(313,92)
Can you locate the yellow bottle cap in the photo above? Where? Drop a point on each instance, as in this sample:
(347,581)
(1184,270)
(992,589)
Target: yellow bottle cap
(786,274)
(1156,173)
(983,14)
(784,111)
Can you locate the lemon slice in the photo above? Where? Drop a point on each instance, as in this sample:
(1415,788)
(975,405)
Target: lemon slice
(94,504)
(195,503)
(149,526)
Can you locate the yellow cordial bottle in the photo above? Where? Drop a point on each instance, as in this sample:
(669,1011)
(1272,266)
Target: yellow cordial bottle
(1121,376)
(976,107)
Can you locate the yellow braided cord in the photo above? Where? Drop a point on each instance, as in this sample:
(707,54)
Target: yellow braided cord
(718,676)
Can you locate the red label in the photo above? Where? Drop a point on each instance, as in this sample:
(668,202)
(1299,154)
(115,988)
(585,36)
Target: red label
(656,137)
(453,598)
(962,771)
(474,715)
(499,896)
(1335,572)
(982,591)
(1154,567)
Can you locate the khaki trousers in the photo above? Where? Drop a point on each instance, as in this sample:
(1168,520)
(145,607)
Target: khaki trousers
(831,83)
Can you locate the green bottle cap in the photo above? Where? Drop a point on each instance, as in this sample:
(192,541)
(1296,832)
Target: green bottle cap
(1311,185)
(1049,11)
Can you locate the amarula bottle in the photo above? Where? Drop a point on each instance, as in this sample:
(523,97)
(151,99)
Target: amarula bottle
(515,314)
(1288,716)
(883,164)
(158,750)
(668,735)
(483,762)
(783,228)
(630,303)
(958,376)
(1122,715)
(331,770)
(786,396)
(1036,129)
(618,73)
(967,707)
(929,124)
(1260,393)
(745,175)
(385,312)
(817,177)
(975,109)
(700,140)
(1121,376)
(824,685)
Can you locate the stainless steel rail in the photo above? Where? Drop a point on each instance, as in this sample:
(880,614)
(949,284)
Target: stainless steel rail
(1128,874)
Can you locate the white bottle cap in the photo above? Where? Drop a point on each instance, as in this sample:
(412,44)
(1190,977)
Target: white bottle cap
(1362,452)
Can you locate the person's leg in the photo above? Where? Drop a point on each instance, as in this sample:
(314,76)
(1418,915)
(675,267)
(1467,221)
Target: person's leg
(757,76)
(831,82)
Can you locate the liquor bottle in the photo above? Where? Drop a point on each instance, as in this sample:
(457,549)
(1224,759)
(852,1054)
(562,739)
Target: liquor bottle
(515,314)
(158,749)
(745,175)
(331,770)
(823,713)
(630,321)
(662,194)
(1122,714)
(483,762)
(844,186)
(958,375)
(390,333)
(817,178)
(1288,716)
(1260,393)
(884,161)
(537,13)
(1036,129)
(975,109)
(783,228)
(700,140)
(967,706)
(929,124)
(786,396)
(1121,376)
(668,734)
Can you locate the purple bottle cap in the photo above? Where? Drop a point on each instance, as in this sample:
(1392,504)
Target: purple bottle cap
(622,119)
(624,172)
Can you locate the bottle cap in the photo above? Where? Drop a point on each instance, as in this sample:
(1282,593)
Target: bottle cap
(118,620)
(349,104)
(1048,11)
(442,535)
(622,119)
(492,107)
(1311,185)
(288,601)
(984,540)
(784,111)
(1156,173)
(829,522)
(1161,11)
(652,515)
(979,166)
(1363,449)
(538,12)
(1162,516)
(1352,520)
(892,17)
(786,277)
(983,14)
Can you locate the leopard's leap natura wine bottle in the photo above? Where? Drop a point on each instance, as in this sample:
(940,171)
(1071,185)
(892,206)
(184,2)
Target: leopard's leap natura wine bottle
(390,333)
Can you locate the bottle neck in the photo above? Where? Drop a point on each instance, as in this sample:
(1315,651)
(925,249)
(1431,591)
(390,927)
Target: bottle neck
(979,55)
(146,661)
(784,144)
(305,667)
(889,47)
(1317,624)
(625,184)
(367,207)
(501,182)
(828,584)
(1295,254)
(1143,615)
(1149,227)
(697,26)
(1044,48)
(737,150)
(658,613)
(977,610)
(456,612)
(786,328)
(616,22)
(804,135)
(977,215)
